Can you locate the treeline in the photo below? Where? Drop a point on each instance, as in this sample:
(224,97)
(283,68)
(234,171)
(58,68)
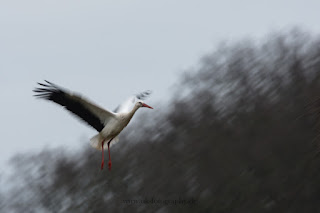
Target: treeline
(240,136)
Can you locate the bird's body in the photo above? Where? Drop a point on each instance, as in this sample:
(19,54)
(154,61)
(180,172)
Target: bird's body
(113,128)
(108,124)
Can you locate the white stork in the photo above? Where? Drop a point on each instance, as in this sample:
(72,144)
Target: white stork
(108,124)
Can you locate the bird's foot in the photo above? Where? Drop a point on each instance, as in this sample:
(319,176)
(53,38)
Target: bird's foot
(102,163)
(109,164)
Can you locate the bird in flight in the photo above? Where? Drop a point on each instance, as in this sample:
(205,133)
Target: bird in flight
(109,124)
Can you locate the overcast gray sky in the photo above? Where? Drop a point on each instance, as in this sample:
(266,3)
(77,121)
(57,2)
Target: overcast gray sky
(108,50)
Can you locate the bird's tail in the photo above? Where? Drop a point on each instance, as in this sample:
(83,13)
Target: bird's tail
(96,142)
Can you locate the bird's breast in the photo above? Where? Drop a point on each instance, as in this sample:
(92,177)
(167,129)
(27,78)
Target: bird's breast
(114,127)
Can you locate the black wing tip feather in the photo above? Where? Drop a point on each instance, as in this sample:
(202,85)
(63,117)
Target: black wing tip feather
(45,91)
(143,95)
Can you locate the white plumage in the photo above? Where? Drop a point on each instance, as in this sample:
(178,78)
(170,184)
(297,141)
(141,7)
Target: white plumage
(108,124)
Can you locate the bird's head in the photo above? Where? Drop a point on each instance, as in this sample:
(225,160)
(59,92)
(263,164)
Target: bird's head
(142,104)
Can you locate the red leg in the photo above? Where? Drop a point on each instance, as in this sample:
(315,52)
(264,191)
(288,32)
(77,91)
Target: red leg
(109,163)
(102,161)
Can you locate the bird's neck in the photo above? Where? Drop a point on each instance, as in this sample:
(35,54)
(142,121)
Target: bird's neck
(134,109)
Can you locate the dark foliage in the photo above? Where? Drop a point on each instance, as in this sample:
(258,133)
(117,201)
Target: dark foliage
(241,136)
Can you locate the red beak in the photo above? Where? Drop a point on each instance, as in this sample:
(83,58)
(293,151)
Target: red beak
(145,105)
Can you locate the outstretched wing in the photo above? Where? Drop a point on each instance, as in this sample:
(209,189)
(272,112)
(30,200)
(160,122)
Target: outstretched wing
(130,102)
(94,115)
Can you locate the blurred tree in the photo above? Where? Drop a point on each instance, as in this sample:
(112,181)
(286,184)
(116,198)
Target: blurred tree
(239,137)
